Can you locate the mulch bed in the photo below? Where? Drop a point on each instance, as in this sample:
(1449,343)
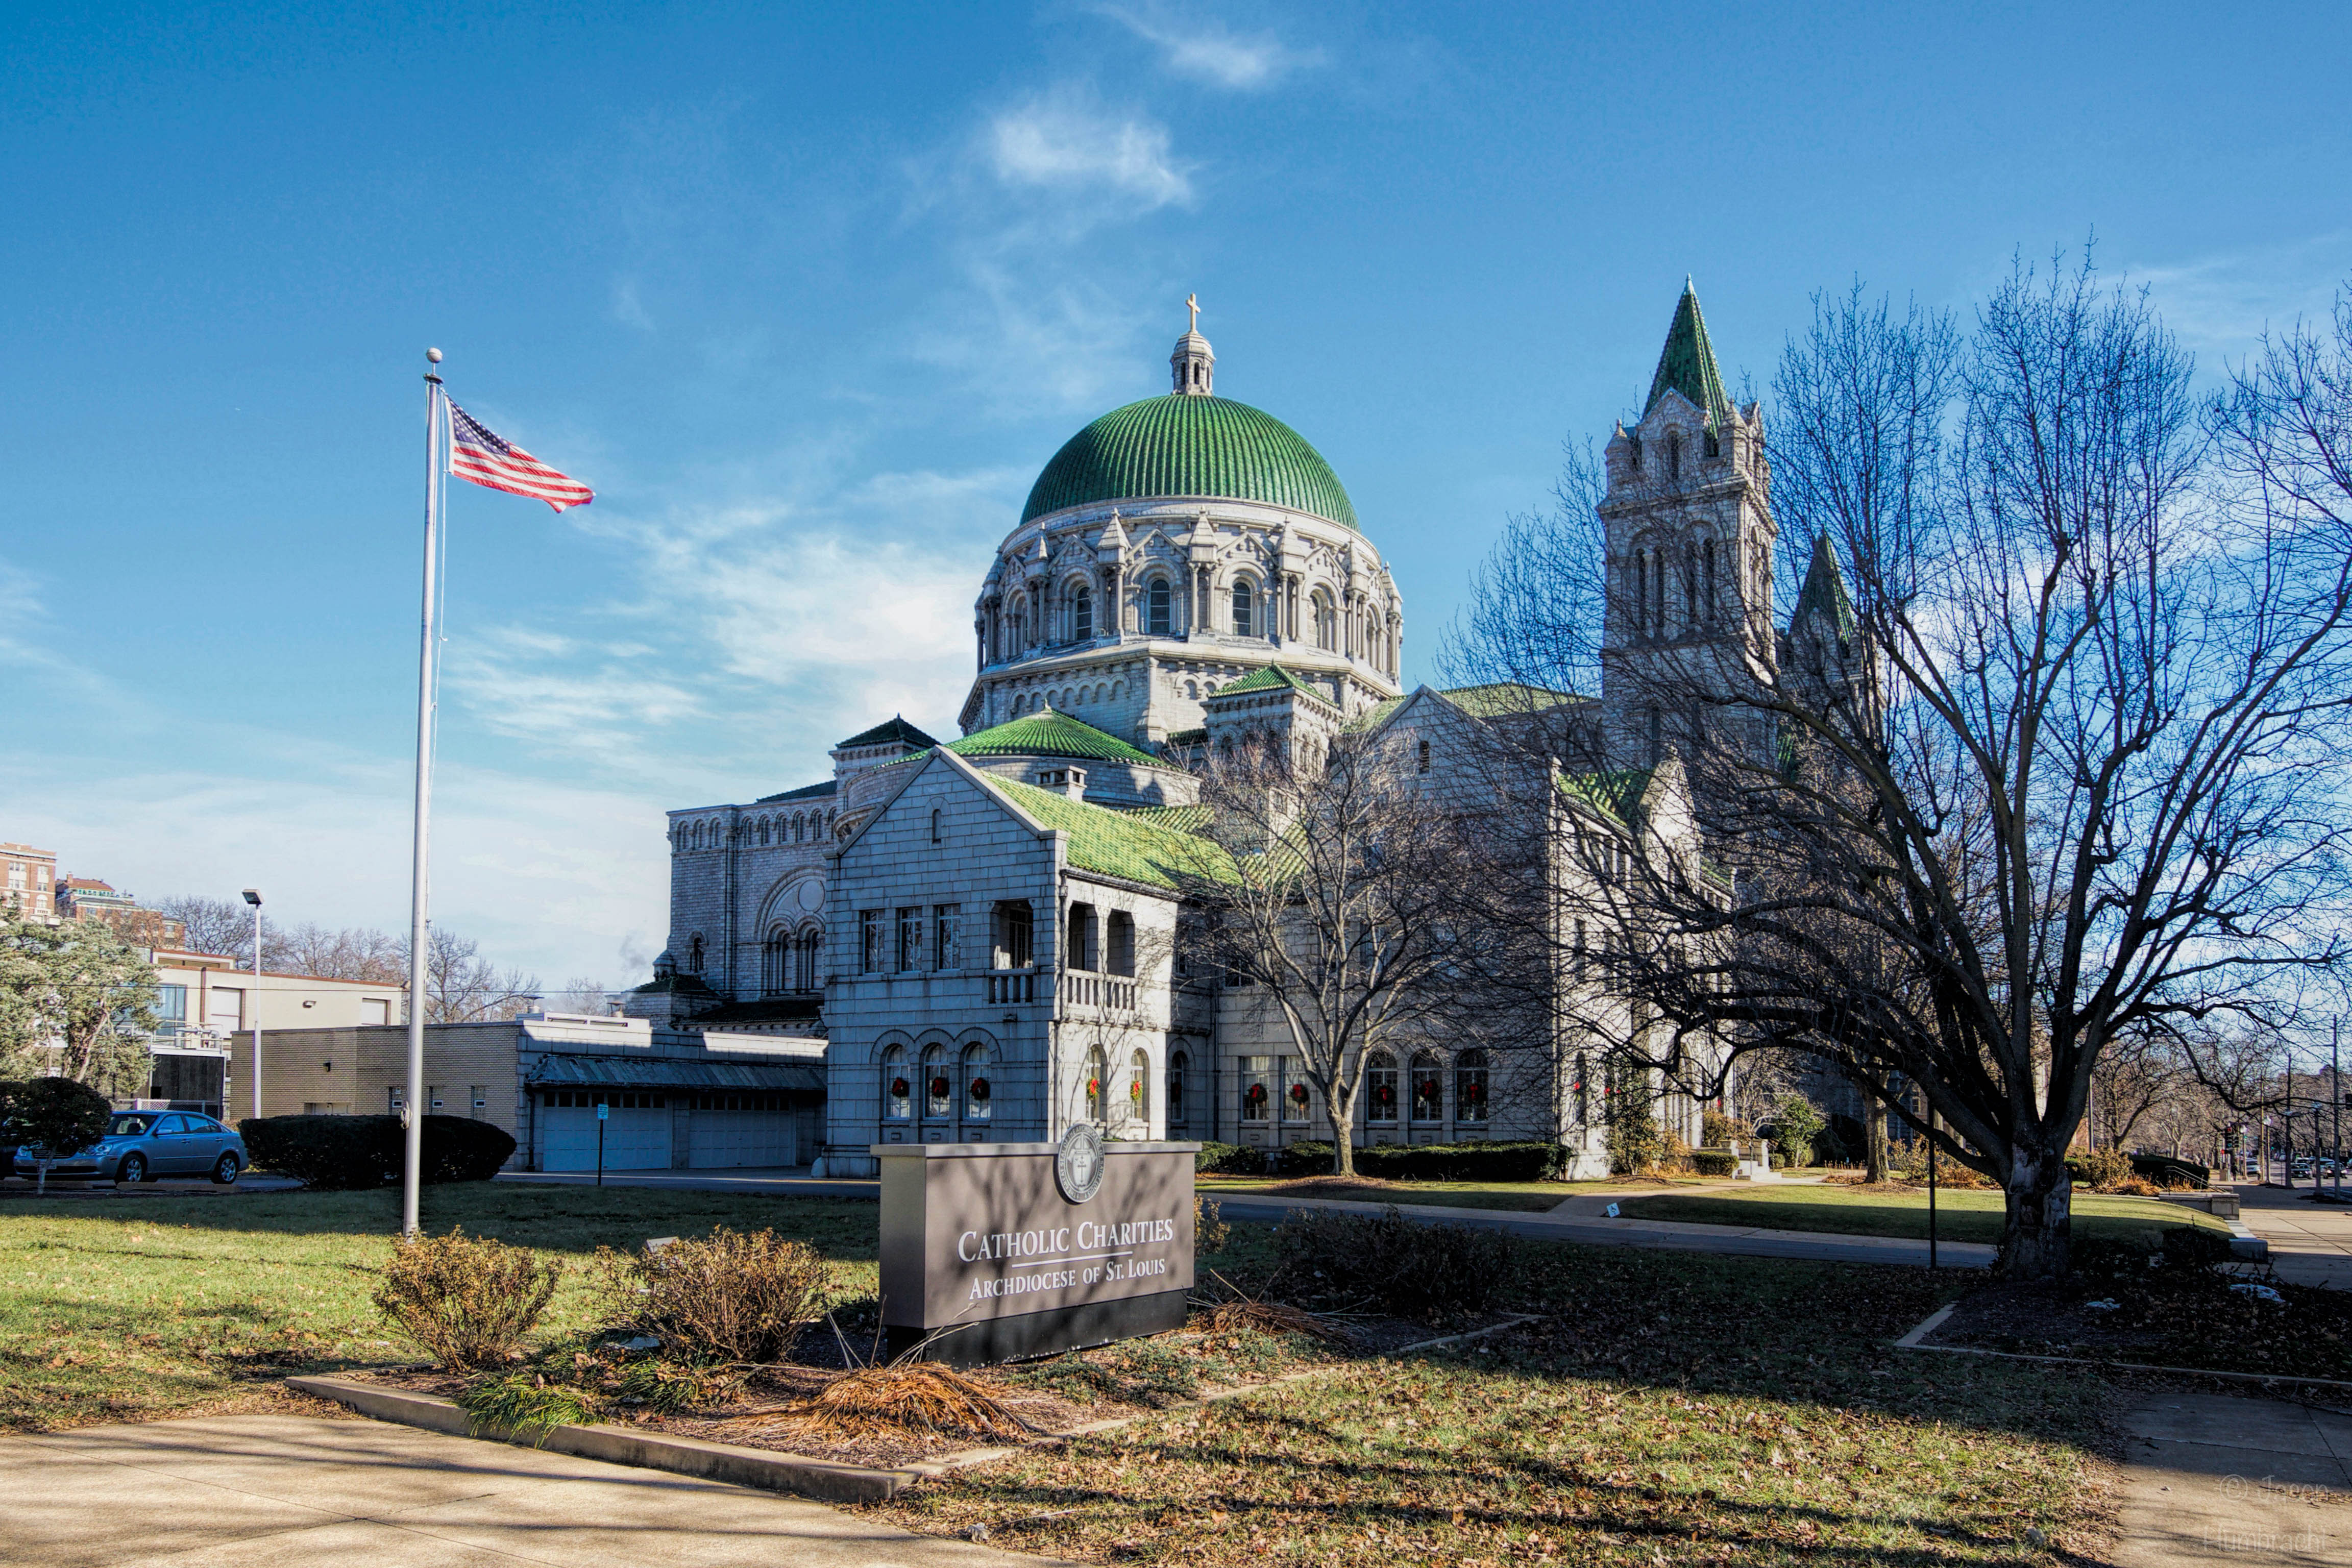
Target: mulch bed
(2186,1319)
(1058,1396)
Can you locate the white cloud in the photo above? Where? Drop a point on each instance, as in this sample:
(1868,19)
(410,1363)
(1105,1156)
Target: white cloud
(1207,50)
(1062,144)
(2222,304)
(627,308)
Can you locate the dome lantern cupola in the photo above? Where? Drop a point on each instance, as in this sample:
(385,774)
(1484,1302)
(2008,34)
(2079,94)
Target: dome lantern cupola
(1194,363)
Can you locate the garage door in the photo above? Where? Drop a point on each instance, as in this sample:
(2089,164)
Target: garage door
(637,1136)
(740,1129)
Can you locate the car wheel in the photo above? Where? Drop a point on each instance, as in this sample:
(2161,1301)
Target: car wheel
(225,1172)
(132,1170)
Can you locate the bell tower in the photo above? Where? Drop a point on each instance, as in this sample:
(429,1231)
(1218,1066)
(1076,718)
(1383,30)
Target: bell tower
(1194,364)
(1687,513)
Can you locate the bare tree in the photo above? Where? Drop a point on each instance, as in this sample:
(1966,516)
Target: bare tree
(2050,762)
(1342,910)
(461,986)
(582,994)
(218,926)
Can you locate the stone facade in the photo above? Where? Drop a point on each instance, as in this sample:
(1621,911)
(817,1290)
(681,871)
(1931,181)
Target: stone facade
(978,921)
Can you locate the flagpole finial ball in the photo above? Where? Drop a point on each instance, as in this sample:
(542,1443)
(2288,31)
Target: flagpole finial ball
(433,356)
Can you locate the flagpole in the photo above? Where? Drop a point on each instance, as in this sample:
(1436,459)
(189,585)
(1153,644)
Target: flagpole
(412,1111)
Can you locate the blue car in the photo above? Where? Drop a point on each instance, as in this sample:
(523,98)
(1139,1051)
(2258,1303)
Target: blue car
(141,1145)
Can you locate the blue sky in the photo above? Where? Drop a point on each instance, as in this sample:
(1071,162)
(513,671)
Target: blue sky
(810,294)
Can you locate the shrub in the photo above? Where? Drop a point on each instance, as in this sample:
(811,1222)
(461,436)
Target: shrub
(1717,1131)
(2166,1172)
(1715,1162)
(1795,1124)
(731,1296)
(2101,1170)
(467,1302)
(55,1116)
(1430,1273)
(1533,1161)
(1307,1159)
(335,1154)
(1230,1160)
(1634,1144)
(2135,1187)
(1210,1231)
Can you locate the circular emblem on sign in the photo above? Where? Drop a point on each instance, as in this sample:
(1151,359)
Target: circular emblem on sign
(1078,1164)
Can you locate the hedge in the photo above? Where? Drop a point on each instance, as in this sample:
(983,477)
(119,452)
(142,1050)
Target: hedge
(1230,1160)
(2166,1172)
(343,1152)
(1715,1162)
(1432,1161)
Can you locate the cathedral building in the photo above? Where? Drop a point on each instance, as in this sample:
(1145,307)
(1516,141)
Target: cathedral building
(987,930)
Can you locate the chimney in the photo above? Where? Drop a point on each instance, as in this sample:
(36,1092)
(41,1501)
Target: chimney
(1064,779)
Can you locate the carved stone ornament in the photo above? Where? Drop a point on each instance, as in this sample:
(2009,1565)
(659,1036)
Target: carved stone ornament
(1078,1164)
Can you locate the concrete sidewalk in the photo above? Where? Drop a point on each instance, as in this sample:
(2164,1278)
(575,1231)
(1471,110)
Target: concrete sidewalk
(2213,1478)
(2311,1242)
(779,1181)
(287,1491)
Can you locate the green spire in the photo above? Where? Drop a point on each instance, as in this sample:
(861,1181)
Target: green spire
(1823,593)
(1687,361)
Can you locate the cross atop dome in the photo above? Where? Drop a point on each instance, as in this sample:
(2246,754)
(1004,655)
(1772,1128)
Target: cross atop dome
(1194,364)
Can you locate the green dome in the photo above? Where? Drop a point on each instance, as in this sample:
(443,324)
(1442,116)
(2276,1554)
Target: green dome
(1183,446)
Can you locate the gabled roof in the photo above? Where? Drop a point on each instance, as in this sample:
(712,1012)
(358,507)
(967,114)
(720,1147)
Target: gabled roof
(1616,792)
(1372,718)
(1687,361)
(1503,697)
(1121,844)
(1049,734)
(1825,592)
(1271,678)
(896,729)
(806,792)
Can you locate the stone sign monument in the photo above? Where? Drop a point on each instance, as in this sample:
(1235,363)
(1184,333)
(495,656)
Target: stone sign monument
(1018,1250)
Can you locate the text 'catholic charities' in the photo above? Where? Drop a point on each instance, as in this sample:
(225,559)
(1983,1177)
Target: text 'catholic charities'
(1090,1252)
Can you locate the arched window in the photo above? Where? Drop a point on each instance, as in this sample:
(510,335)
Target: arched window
(1380,1078)
(935,825)
(1470,1087)
(1159,609)
(1244,602)
(1674,454)
(775,962)
(1327,622)
(1641,592)
(1428,1088)
(898,1094)
(1707,604)
(1421,755)
(696,839)
(975,1083)
(939,1091)
(1118,943)
(694,954)
(1097,1087)
(1082,615)
(1178,1062)
(1139,1087)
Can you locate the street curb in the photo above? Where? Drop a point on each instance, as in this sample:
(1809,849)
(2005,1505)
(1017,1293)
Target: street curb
(765,1469)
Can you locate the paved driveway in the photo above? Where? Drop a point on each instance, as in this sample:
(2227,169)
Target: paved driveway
(289,1491)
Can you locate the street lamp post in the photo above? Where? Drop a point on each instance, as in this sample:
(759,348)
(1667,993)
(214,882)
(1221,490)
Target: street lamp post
(253,896)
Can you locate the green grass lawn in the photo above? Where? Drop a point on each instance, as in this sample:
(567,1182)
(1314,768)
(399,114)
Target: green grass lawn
(1532,1198)
(1676,1408)
(141,1308)
(1968,1215)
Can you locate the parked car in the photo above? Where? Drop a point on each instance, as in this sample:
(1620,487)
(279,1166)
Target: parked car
(141,1145)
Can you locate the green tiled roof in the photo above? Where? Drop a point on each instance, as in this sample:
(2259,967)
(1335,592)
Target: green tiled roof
(1617,792)
(894,729)
(1506,697)
(1183,446)
(1122,844)
(1687,361)
(1825,591)
(1049,734)
(1182,818)
(1372,718)
(1272,677)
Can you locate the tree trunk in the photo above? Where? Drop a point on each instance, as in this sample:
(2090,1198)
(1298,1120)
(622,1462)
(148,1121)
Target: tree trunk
(2037,1234)
(1343,1143)
(1873,1138)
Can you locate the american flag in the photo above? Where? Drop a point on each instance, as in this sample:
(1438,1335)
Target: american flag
(476,455)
